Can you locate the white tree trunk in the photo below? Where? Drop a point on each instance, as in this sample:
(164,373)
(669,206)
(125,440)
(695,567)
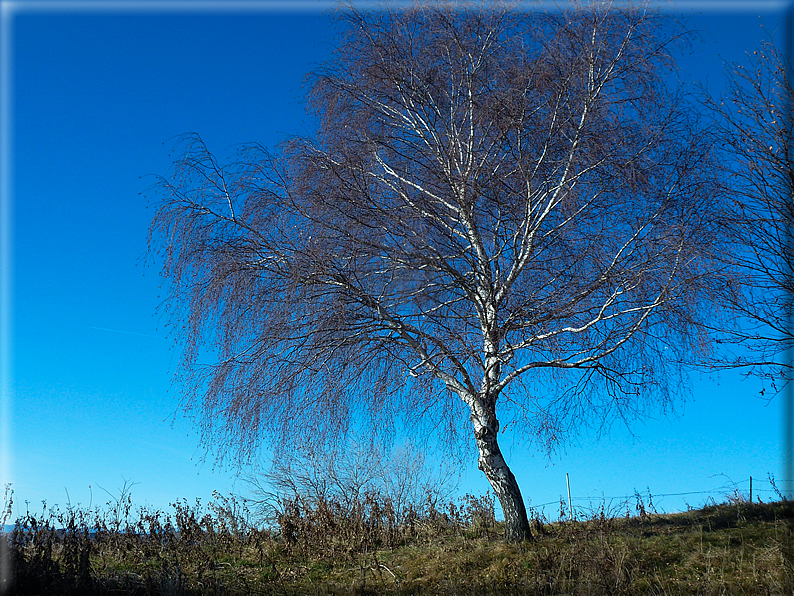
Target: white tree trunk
(493,464)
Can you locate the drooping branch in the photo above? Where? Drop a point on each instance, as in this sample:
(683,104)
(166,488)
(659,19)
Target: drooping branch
(489,198)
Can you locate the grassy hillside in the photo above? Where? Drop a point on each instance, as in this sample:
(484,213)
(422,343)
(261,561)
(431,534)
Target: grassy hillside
(735,548)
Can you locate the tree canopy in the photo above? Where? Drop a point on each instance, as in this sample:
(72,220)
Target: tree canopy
(754,121)
(510,209)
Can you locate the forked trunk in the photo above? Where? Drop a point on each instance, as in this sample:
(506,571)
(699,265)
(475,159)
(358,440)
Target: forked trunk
(493,465)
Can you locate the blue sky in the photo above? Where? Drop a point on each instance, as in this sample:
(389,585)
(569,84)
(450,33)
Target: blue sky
(99,91)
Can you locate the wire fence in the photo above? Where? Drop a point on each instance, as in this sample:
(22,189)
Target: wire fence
(750,489)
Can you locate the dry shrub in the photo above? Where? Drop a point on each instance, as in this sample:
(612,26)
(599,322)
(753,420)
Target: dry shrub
(328,528)
(344,474)
(92,552)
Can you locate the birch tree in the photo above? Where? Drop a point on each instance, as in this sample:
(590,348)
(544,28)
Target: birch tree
(500,215)
(755,122)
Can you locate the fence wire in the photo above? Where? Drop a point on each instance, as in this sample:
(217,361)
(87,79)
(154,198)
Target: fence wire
(730,491)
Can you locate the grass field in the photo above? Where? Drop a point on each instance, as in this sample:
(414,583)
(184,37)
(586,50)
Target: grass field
(325,548)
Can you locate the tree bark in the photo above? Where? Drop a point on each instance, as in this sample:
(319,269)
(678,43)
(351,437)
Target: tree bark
(493,464)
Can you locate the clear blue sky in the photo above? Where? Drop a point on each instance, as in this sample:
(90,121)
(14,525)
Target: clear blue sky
(98,96)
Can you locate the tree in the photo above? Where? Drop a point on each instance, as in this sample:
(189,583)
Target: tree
(757,130)
(497,209)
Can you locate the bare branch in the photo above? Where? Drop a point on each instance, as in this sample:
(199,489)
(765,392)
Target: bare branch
(488,194)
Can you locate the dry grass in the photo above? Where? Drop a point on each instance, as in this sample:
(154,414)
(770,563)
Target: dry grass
(322,548)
